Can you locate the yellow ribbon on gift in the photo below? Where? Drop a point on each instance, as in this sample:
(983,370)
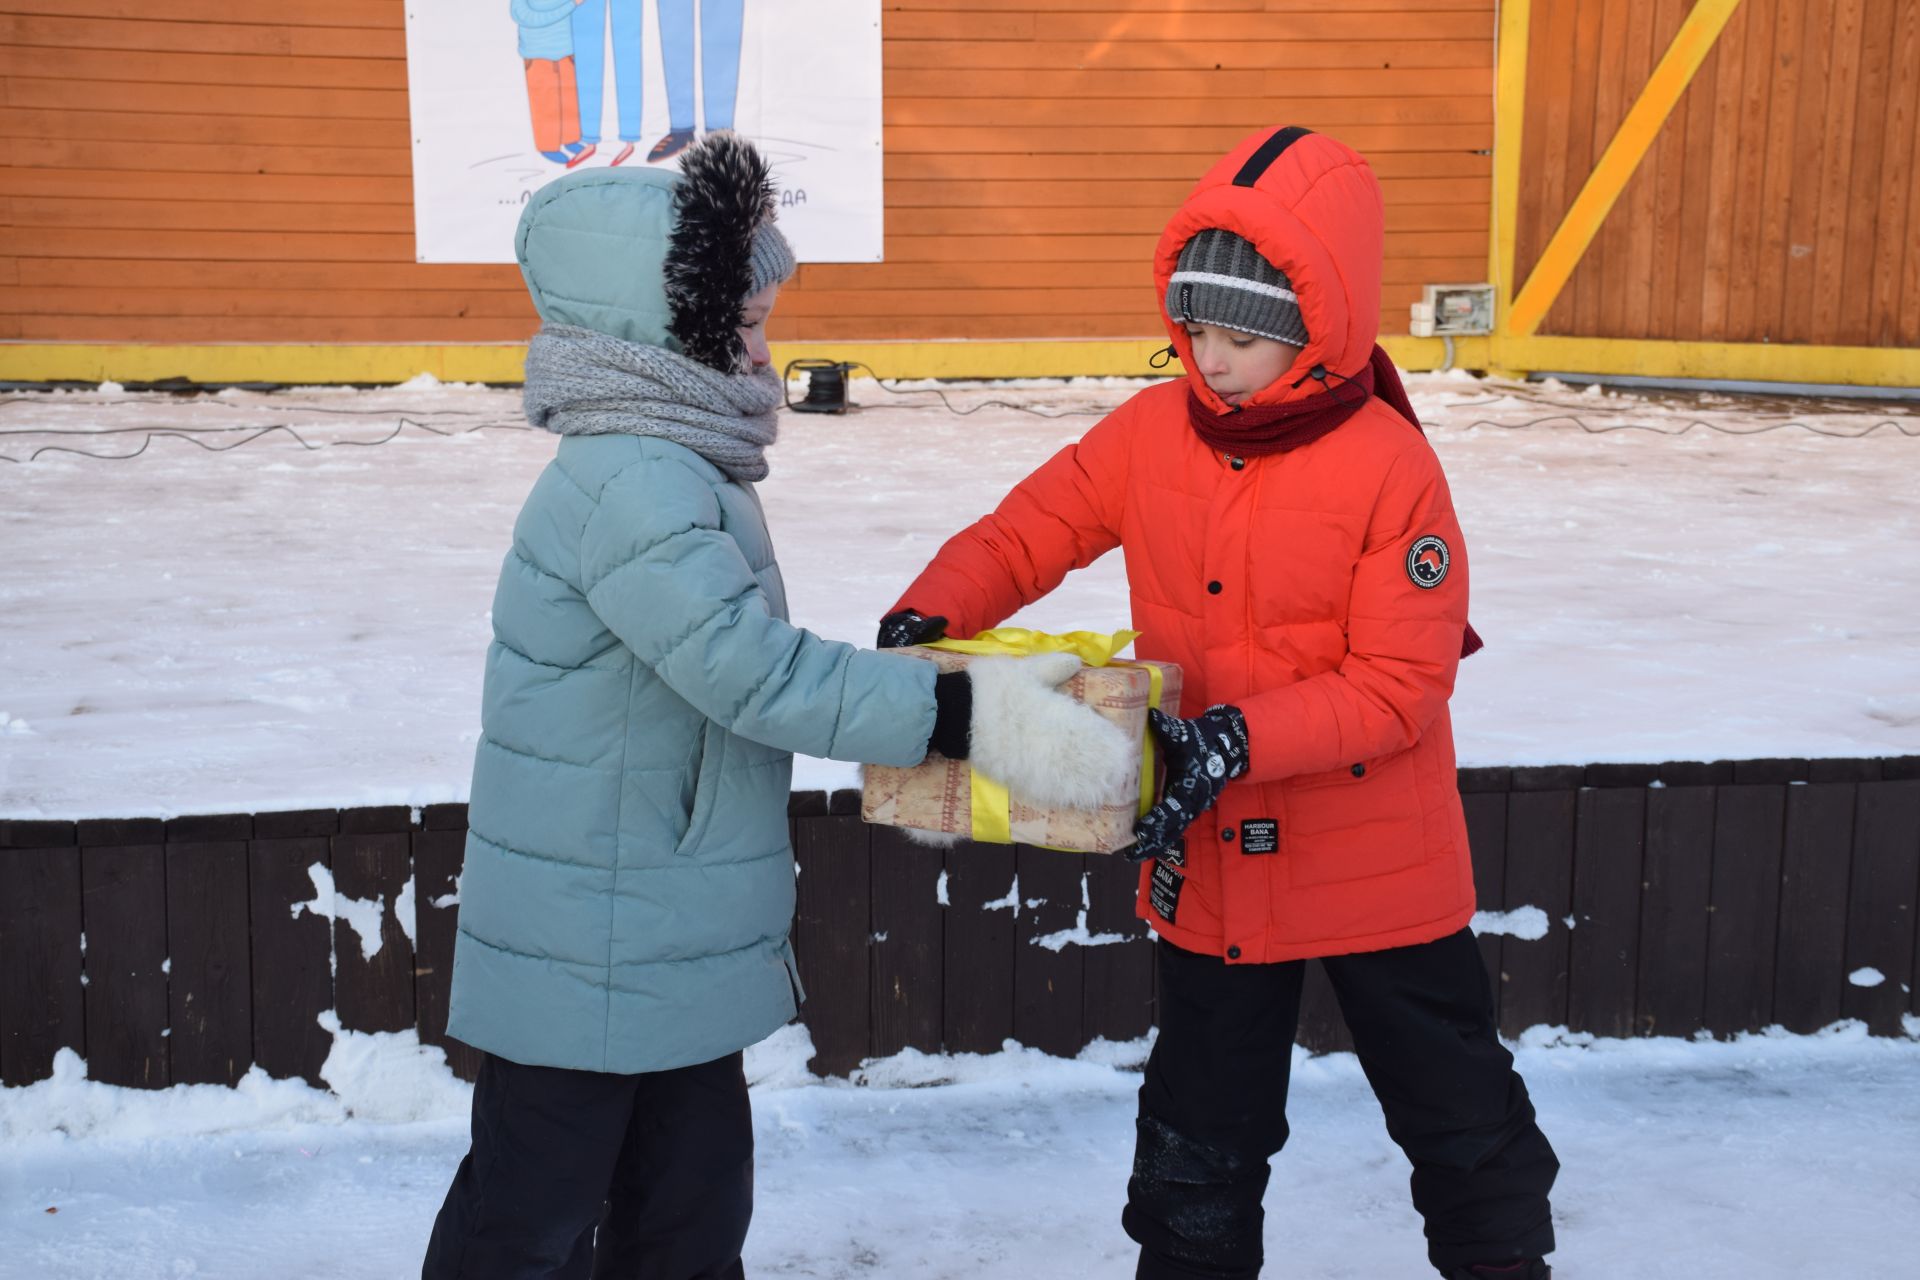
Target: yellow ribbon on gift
(992,808)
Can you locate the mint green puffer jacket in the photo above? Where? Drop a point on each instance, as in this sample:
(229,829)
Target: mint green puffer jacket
(629,883)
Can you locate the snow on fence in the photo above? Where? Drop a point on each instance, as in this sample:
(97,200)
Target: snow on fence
(1615,899)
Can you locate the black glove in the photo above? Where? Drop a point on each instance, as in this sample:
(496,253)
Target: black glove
(907,627)
(953,715)
(1200,754)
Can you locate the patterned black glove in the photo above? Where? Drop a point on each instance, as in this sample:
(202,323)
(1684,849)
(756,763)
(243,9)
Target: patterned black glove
(898,630)
(1201,754)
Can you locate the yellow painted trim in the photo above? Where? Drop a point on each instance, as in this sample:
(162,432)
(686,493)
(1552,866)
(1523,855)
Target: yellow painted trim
(504,362)
(258,362)
(1609,178)
(1732,361)
(1509,117)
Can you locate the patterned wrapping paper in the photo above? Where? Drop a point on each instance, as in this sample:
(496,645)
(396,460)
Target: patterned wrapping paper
(937,795)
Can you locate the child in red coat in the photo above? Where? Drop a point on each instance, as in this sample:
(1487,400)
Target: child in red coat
(1291,543)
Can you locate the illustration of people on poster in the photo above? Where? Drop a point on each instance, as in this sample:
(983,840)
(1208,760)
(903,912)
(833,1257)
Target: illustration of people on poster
(508,95)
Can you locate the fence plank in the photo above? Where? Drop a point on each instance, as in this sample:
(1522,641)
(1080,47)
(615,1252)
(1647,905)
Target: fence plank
(1539,874)
(1118,1004)
(835,911)
(439,850)
(210,978)
(1604,949)
(908,936)
(292,953)
(373,977)
(42,1001)
(123,910)
(1486,812)
(1673,910)
(1744,915)
(1880,929)
(1812,941)
(978,978)
(1049,982)
(1322,1029)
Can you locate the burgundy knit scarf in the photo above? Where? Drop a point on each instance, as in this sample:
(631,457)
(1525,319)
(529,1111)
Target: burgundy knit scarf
(1278,428)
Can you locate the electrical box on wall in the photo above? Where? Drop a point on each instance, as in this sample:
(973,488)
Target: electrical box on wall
(1452,310)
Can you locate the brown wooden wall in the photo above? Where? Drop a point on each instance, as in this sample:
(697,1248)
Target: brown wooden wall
(184,171)
(1781,202)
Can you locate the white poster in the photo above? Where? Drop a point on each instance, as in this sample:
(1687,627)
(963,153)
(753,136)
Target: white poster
(509,94)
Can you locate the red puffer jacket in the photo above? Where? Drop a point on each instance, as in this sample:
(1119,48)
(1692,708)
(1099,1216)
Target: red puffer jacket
(1323,591)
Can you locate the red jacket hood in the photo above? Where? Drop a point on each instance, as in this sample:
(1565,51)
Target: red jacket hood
(1315,212)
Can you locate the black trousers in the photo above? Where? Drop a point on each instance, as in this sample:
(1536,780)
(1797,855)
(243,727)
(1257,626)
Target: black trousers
(1213,1106)
(577,1174)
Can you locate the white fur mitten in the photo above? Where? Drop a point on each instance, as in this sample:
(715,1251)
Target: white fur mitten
(1040,744)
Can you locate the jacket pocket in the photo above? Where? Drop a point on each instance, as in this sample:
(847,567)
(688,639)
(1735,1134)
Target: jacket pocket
(1362,820)
(707,772)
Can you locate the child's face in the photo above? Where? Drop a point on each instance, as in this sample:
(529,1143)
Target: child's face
(753,325)
(1235,364)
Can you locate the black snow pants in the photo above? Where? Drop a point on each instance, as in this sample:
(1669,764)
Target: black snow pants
(577,1174)
(1213,1106)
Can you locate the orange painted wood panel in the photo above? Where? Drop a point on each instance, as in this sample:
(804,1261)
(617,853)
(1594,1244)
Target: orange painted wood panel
(1191,6)
(1899,221)
(159,184)
(1244,114)
(1777,204)
(141,66)
(1668,180)
(270,303)
(1177,165)
(1008,55)
(60,32)
(1810,144)
(1229,86)
(285,13)
(259,101)
(204,274)
(196,171)
(86,124)
(1760,80)
(1790,61)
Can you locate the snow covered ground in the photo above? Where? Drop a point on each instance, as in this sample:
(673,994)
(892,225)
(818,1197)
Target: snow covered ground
(287,625)
(1768,1158)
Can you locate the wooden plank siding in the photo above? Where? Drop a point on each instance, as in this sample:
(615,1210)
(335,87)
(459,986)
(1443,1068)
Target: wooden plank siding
(1779,202)
(186,172)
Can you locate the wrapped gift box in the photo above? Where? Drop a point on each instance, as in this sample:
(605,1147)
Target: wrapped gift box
(938,795)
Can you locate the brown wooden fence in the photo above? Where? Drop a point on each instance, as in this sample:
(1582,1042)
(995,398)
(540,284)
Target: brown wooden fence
(1727,897)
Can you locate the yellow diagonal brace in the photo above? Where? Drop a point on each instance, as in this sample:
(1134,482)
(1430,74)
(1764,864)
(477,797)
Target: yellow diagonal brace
(1609,178)
(1509,115)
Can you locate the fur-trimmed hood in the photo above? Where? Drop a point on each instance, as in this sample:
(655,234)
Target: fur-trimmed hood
(725,198)
(652,256)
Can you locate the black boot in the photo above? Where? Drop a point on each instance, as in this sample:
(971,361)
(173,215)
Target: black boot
(1529,1269)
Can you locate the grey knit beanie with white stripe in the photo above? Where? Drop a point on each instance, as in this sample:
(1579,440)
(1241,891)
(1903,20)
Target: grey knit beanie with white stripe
(1221,279)
(772,259)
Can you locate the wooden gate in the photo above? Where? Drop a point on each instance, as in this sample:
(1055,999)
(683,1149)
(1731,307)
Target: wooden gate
(1718,188)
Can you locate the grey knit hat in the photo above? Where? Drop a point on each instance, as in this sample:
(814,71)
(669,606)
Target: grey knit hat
(772,259)
(1221,279)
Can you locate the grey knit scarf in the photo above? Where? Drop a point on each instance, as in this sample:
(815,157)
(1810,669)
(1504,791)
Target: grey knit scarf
(581,382)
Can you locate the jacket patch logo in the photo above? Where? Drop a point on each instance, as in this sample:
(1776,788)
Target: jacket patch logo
(1427,562)
(1260,835)
(1163,890)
